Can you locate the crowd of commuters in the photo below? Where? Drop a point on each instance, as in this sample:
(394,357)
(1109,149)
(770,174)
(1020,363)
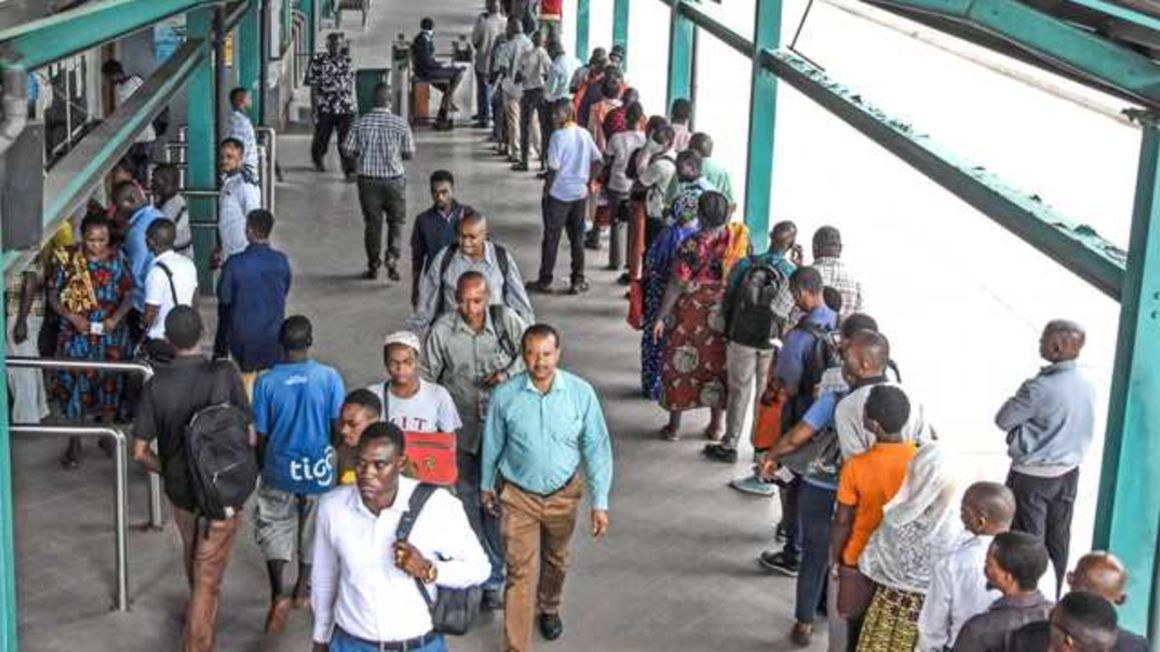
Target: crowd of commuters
(879,538)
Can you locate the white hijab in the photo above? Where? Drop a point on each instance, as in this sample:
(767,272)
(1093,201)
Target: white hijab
(917,524)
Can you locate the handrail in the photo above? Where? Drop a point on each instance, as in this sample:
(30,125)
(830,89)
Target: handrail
(121,457)
(20,362)
(267,179)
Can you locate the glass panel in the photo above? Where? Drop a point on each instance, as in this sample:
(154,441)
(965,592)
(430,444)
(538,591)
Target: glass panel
(737,15)
(723,79)
(648,53)
(600,24)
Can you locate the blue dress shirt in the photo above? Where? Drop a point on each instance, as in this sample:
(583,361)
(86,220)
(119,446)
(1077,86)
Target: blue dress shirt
(536,441)
(137,251)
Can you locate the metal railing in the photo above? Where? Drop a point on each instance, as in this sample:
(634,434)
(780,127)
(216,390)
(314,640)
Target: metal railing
(121,456)
(156,520)
(268,138)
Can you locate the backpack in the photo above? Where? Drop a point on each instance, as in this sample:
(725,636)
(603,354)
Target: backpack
(453,610)
(221,461)
(501,257)
(750,320)
(823,355)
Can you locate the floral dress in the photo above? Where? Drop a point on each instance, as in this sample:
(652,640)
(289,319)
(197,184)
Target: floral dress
(693,372)
(95,289)
(657,267)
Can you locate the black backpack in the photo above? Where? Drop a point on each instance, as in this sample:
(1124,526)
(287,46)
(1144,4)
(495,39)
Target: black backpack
(453,610)
(501,257)
(750,320)
(222,463)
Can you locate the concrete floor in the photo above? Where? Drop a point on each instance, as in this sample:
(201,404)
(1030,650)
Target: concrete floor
(677,571)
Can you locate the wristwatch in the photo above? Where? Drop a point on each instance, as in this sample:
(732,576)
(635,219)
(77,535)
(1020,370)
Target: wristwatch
(431,575)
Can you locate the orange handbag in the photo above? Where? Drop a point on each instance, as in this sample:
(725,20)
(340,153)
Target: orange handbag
(767,429)
(431,457)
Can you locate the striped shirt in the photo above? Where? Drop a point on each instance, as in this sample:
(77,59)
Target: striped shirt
(379,139)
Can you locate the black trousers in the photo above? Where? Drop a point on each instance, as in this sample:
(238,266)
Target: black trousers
(532,105)
(1043,507)
(377,196)
(558,216)
(326,125)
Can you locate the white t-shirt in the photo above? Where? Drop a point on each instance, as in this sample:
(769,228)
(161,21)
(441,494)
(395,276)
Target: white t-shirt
(178,212)
(621,147)
(158,292)
(124,91)
(429,410)
(570,154)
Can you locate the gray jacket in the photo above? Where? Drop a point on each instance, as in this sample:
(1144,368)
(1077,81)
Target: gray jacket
(1051,419)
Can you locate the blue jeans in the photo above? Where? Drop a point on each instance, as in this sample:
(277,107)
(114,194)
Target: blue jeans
(483,523)
(340,641)
(815,523)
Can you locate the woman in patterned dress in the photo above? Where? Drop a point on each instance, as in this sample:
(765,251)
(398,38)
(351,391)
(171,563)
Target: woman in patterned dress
(918,524)
(91,288)
(693,370)
(658,264)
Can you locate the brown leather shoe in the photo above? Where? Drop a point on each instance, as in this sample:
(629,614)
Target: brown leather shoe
(801,634)
(276,616)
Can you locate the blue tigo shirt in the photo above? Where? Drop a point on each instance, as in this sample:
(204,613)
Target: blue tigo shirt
(253,289)
(137,251)
(295,404)
(536,441)
(571,153)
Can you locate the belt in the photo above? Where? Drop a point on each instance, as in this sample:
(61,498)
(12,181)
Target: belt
(394,178)
(393,646)
(551,493)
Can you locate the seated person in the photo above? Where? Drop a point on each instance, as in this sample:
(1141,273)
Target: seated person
(428,69)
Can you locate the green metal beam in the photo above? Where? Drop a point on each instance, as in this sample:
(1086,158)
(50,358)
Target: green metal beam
(1076,246)
(620,26)
(70,182)
(1051,39)
(9,631)
(711,25)
(682,34)
(201,173)
(1129,497)
(582,18)
(762,122)
(39,42)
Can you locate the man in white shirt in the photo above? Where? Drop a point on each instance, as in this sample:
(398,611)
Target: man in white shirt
(241,128)
(362,602)
(167,197)
(239,194)
(124,85)
(573,161)
(170,282)
(409,402)
(958,588)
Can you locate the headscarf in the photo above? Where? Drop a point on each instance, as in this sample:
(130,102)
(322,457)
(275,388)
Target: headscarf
(686,206)
(917,525)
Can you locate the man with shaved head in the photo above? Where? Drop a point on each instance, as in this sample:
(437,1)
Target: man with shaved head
(170,282)
(469,351)
(1049,425)
(473,251)
(958,588)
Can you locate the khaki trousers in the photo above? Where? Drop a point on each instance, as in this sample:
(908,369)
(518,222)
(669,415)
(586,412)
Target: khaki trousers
(205,557)
(511,116)
(748,371)
(535,528)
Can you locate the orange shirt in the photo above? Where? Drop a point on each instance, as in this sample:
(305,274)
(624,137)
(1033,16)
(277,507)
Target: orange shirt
(867,482)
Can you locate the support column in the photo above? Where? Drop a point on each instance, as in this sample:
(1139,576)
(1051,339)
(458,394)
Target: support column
(8,630)
(582,12)
(1129,497)
(620,27)
(762,120)
(682,33)
(248,49)
(201,175)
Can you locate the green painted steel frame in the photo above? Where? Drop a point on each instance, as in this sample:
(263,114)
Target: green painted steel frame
(762,123)
(620,27)
(39,42)
(248,49)
(9,630)
(583,15)
(1129,498)
(682,35)
(201,173)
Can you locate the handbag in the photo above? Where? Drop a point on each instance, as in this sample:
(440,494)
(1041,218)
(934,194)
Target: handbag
(855,591)
(452,610)
(767,429)
(430,455)
(636,304)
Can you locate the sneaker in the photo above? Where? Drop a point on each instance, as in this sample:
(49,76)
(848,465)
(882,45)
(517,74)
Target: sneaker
(779,563)
(539,287)
(719,453)
(801,634)
(754,486)
(579,287)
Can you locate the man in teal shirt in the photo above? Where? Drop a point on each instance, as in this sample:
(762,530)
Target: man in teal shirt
(714,172)
(540,425)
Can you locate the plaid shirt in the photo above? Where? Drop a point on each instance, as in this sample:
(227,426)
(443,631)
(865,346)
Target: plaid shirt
(379,139)
(834,274)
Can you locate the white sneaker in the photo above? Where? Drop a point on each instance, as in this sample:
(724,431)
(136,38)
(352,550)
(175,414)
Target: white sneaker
(754,486)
